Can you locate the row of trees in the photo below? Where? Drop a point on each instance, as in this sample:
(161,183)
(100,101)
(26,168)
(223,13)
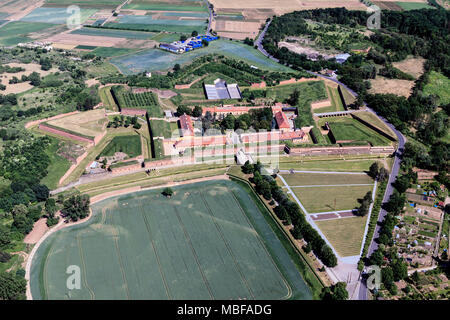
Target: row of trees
(289,212)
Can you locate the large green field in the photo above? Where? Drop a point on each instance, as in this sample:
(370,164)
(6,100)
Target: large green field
(208,241)
(56,15)
(413,5)
(439,86)
(17,31)
(162,5)
(102,32)
(156,59)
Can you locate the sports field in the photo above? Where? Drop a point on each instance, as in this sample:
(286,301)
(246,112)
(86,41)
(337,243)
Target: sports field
(155,59)
(208,241)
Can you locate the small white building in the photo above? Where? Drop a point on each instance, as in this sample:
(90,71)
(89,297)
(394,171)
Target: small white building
(242,158)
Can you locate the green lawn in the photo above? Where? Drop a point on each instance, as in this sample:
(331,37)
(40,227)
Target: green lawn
(161,128)
(345,234)
(306,179)
(321,199)
(336,102)
(58,165)
(131,145)
(345,128)
(330,165)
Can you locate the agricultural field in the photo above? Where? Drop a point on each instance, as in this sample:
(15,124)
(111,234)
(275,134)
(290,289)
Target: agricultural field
(131,145)
(155,59)
(17,31)
(84,3)
(89,124)
(395,86)
(413,66)
(181,258)
(346,234)
(349,129)
(113,33)
(439,86)
(344,165)
(167,5)
(413,5)
(311,179)
(55,15)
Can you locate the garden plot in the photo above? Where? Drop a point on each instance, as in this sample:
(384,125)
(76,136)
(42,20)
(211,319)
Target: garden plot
(207,241)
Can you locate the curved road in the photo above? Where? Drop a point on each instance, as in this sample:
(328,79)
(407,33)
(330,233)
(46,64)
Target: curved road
(395,167)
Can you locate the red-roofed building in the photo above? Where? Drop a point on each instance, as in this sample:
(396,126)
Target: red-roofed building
(186,125)
(282,121)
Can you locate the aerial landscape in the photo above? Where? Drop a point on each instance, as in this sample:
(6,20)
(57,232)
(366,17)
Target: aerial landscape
(224,150)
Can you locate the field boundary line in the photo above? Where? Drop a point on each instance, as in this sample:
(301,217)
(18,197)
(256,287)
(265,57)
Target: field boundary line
(213,217)
(122,270)
(188,238)
(80,249)
(156,254)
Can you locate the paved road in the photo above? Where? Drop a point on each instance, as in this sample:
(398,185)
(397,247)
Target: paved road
(210,17)
(395,168)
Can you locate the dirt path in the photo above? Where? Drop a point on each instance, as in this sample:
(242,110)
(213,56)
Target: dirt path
(39,229)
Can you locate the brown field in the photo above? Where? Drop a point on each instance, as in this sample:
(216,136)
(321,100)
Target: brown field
(413,66)
(388,5)
(90,123)
(237,29)
(395,86)
(85,40)
(24,86)
(284,6)
(19,8)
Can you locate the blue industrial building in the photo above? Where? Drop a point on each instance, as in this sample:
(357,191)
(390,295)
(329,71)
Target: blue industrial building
(187,45)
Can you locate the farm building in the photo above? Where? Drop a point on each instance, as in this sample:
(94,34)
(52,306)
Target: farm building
(221,90)
(282,121)
(186,125)
(188,44)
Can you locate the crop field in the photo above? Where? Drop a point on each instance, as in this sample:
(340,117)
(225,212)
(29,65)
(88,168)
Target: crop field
(322,199)
(17,31)
(207,241)
(55,15)
(155,59)
(349,129)
(310,179)
(106,52)
(438,85)
(167,5)
(131,145)
(346,234)
(159,22)
(103,32)
(101,4)
(90,123)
